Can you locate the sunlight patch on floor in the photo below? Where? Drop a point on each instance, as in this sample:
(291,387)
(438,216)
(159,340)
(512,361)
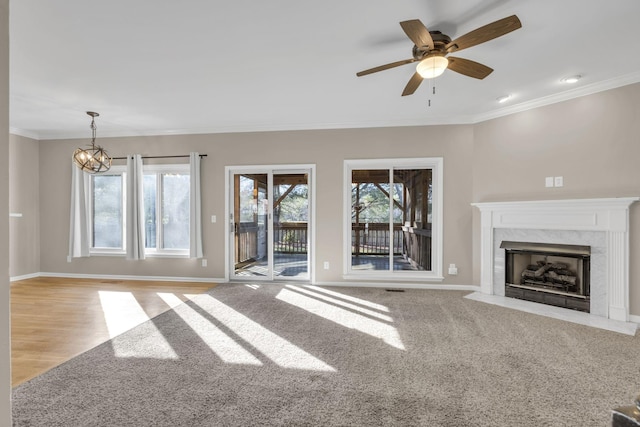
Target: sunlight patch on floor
(122,312)
(358,301)
(340,303)
(343,317)
(277,349)
(220,343)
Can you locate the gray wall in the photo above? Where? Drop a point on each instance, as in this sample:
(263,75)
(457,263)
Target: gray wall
(24,198)
(592,141)
(5,290)
(327,149)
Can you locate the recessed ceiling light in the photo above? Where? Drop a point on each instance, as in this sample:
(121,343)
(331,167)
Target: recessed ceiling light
(572,79)
(504,98)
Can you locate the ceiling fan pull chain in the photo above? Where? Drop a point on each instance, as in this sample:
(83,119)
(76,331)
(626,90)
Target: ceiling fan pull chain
(433,90)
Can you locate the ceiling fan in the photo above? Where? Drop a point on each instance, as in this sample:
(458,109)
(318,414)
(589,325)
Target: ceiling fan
(431,48)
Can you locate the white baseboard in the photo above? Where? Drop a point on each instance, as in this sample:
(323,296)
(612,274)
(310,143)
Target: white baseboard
(635,319)
(24,277)
(400,285)
(131,277)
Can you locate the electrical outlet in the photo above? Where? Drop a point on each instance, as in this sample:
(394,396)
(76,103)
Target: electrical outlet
(558,181)
(213,218)
(453,270)
(204,262)
(326,265)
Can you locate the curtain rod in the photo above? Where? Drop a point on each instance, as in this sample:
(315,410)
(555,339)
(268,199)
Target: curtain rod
(159,157)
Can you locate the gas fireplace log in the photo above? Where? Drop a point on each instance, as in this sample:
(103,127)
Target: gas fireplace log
(559,266)
(565,272)
(561,278)
(540,272)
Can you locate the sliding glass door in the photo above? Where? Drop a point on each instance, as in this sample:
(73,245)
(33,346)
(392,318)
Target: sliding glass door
(270,223)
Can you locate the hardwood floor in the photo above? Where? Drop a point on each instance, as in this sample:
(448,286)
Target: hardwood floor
(55,319)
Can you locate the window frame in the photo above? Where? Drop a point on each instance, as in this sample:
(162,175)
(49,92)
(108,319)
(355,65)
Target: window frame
(158,171)
(121,170)
(436,164)
(113,171)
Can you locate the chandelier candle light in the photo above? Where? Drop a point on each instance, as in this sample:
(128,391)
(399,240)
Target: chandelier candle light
(93,159)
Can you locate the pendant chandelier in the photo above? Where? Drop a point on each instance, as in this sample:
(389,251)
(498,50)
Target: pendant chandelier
(93,159)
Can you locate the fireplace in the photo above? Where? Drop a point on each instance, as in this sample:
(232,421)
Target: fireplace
(600,224)
(553,274)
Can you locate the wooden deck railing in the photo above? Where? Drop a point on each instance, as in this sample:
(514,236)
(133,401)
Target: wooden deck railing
(418,247)
(366,239)
(246,241)
(374,239)
(290,238)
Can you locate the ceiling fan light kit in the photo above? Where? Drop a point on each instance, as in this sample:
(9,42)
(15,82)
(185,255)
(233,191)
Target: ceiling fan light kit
(431,48)
(432,66)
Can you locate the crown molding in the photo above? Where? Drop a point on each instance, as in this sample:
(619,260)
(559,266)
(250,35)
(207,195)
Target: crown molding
(24,133)
(392,122)
(560,97)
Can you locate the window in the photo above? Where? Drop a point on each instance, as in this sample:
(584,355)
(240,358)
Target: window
(108,210)
(166,190)
(166,205)
(393,218)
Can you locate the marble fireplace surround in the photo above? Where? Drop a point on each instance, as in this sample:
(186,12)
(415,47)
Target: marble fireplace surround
(602,224)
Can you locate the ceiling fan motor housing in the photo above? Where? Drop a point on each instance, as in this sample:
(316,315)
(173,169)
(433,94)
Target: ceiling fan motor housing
(440,42)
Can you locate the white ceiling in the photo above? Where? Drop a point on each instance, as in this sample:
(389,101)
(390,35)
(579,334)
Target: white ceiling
(204,66)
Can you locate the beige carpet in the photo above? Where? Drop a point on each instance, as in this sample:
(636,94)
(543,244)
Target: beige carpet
(291,355)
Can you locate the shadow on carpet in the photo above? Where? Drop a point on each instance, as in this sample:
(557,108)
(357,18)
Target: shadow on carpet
(303,355)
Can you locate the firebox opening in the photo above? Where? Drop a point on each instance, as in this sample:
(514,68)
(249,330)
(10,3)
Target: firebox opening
(551,274)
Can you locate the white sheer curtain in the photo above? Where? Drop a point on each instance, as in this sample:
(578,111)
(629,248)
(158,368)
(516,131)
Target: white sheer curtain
(195,216)
(135,208)
(79,226)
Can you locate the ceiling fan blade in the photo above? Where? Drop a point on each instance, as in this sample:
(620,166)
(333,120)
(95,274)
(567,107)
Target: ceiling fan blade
(418,33)
(486,33)
(385,67)
(413,84)
(468,67)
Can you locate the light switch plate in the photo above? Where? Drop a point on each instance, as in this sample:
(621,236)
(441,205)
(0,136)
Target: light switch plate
(548,181)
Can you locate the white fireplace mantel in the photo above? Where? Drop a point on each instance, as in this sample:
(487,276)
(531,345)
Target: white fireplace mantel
(610,215)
